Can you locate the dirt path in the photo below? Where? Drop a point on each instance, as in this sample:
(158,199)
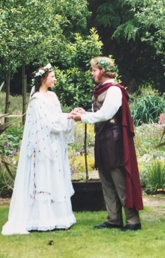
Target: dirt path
(154,201)
(4,201)
(151,201)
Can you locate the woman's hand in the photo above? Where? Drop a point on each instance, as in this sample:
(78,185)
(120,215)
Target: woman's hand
(76,114)
(69,116)
(79,110)
(73,114)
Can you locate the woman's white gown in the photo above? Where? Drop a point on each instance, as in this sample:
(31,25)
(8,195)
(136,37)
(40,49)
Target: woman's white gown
(43,188)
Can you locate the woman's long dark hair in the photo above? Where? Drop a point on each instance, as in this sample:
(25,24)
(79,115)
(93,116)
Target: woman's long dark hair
(38,82)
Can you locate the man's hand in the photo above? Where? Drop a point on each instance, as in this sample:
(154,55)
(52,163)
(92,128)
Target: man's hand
(79,110)
(76,116)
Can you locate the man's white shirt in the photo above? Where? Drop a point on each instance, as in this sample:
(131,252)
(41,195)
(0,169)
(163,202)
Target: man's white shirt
(111,105)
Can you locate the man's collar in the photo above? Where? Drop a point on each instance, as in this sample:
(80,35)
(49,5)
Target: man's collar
(109,81)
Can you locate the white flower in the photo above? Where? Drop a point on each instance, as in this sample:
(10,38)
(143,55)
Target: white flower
(48,66)
(41,71)
(37,74)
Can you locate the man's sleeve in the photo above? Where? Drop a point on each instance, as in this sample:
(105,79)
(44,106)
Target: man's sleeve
(111,105)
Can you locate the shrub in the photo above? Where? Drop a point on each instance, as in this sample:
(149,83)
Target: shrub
(146,137)
(77,162)
(155,175)
(8,157)
(146,109)
(76,149)
(74,85)
(78,145)
(81,159)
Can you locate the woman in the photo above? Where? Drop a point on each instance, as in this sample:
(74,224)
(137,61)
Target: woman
(42,190)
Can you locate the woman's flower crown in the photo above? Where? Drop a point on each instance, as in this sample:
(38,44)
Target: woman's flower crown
(106,66)
(40,73)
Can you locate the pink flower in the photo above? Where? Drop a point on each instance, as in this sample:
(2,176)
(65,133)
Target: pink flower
(162,119)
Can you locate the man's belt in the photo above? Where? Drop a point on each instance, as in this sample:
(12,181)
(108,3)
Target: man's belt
(112,120)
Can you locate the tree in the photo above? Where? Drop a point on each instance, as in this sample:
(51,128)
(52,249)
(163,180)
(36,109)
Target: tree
(26,37)
(150,15)
(123,26)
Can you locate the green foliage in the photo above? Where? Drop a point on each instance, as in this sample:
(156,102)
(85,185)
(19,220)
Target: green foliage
(12,136)
(155,176)
(75,14)
(76,149)
(146,137)
(8,153)
(75,85)
(150,20)
(79,52)
(78,144)
(135,29)
(26,36)
(106,14)
(119,16)
(15,103)
(66,109)
(147,109)
(151,14)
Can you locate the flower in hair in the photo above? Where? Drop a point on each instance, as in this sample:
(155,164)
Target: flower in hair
(40,73)
(48,66)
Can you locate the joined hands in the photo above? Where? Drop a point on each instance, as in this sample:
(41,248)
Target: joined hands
(76,114)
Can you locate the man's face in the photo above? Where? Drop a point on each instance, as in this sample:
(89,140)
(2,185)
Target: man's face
(96,73)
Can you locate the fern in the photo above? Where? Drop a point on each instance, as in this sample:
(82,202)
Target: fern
(128,30)
(107,15)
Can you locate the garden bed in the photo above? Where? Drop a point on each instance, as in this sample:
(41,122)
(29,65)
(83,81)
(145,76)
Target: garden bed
(6,193)
(159,191)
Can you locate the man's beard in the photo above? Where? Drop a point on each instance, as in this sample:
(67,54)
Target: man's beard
(99,77)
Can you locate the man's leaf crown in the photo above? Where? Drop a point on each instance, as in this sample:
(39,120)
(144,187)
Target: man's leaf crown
(106,66)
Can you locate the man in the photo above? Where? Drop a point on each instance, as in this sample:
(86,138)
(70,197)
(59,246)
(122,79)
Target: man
(115,155)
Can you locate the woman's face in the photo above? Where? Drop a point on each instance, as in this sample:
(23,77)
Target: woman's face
(50,80)
(96,73)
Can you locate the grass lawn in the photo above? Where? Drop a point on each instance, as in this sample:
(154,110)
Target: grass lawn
(83,241)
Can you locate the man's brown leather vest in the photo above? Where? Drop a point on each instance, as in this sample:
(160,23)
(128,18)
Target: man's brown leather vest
(97,104)
(108,140)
